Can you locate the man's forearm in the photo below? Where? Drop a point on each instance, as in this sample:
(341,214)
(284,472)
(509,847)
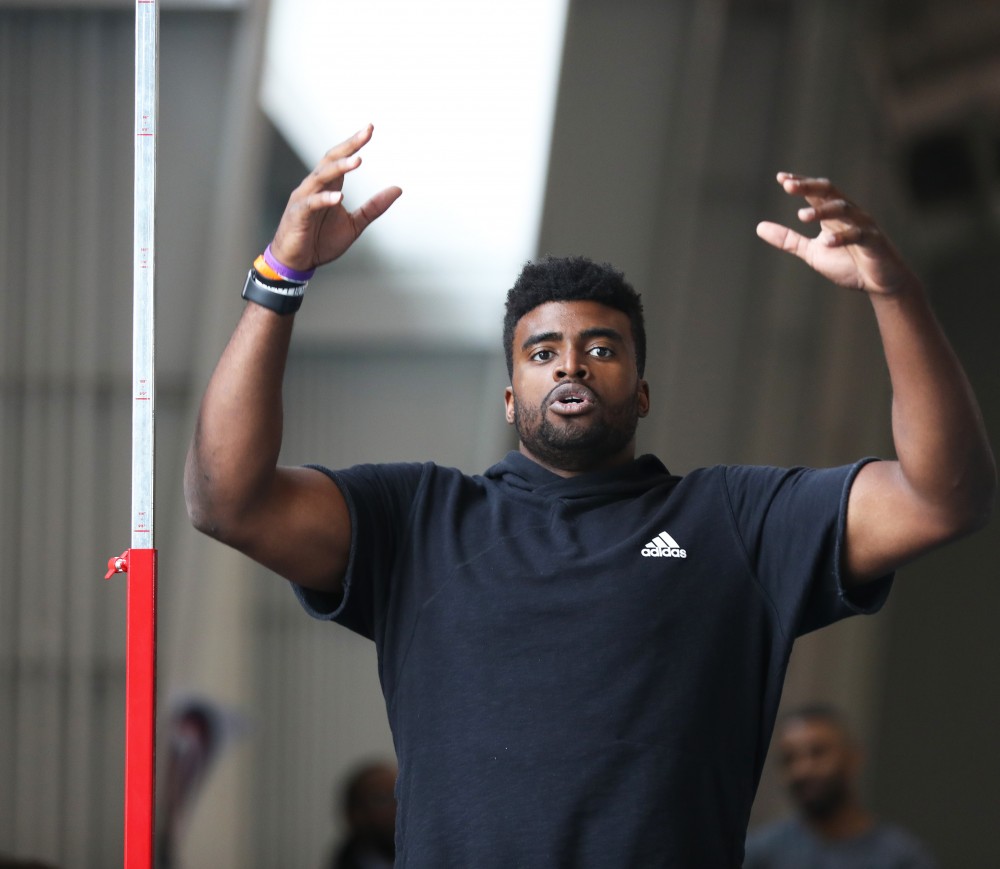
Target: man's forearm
(937,427)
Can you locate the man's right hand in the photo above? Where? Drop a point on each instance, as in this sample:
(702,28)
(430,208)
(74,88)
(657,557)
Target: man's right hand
(316,228)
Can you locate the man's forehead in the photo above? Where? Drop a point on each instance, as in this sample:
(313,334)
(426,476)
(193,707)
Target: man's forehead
(568,318)
(812,730)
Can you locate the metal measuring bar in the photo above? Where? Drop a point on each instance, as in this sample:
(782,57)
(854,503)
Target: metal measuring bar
(139,561)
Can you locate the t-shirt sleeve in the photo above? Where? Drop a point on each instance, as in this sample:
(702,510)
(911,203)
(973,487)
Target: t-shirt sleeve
(380,500)
(791,523)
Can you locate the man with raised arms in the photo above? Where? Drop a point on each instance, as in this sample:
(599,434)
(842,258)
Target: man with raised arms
(557,697)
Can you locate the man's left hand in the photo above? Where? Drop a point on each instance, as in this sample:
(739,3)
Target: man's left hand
(850,249)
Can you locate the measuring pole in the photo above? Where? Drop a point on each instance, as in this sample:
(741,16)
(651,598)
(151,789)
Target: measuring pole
(139,561)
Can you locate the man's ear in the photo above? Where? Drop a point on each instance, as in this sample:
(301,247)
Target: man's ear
(508,400)
(643,398)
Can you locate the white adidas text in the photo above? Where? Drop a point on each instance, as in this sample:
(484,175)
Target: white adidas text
(667,552)
(663,546)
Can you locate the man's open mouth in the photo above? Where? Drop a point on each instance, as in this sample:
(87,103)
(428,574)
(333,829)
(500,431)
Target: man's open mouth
(571,398)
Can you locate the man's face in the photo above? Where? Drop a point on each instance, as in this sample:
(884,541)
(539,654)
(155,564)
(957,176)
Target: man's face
(575,396)
(820,765)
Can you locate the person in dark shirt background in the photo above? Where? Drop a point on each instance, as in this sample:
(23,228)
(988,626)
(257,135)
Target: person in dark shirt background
(821,763)
(368,804)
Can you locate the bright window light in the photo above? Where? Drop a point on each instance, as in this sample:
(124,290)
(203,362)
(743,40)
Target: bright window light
(461,94)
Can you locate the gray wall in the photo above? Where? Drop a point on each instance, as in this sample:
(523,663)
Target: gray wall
(672,119)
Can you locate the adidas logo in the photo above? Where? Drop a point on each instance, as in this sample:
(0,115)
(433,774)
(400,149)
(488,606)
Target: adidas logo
(663,546)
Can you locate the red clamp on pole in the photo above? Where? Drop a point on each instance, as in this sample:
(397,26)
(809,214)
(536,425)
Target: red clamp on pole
(117,564)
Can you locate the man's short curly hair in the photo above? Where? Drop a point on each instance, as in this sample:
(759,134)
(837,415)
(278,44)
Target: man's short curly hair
(573,279)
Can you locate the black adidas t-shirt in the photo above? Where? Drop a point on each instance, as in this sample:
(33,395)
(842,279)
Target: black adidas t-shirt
(585,672)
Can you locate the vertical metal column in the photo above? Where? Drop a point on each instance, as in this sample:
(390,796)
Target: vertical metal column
(139,562)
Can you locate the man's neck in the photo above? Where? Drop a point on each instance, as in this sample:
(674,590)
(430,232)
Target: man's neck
(567,468)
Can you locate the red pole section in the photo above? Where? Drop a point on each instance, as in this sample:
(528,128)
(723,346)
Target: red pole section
(140,702)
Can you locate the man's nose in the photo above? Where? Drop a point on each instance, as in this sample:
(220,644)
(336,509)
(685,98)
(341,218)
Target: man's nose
(573,365)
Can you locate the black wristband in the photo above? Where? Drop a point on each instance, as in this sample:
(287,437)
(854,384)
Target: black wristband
(281,297)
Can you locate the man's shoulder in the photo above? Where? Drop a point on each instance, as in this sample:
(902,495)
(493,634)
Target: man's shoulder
(898,843)
(776,833)
(395,471)
(788,842)
(777,845)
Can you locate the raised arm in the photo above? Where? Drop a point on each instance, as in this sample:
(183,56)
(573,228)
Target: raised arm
(293,520)
(943,483)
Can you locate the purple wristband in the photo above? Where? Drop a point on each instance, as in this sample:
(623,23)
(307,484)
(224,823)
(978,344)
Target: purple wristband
(289,274)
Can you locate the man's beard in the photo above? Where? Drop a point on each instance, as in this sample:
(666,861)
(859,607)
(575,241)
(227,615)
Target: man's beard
(820,802)
(572,446)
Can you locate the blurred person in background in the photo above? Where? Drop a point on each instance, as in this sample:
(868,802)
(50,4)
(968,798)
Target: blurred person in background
(821,763)
(368,804)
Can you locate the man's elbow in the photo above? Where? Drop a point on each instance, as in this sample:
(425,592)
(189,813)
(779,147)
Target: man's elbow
(986,495)
(219,524)
(204,508)
(980,518)
(974,510)
(202,516)
(202,520)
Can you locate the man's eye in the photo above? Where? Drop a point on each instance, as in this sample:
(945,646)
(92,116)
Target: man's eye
(542,355)
(601,352)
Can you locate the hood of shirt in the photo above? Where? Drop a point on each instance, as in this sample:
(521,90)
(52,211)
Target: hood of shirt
(640,475)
